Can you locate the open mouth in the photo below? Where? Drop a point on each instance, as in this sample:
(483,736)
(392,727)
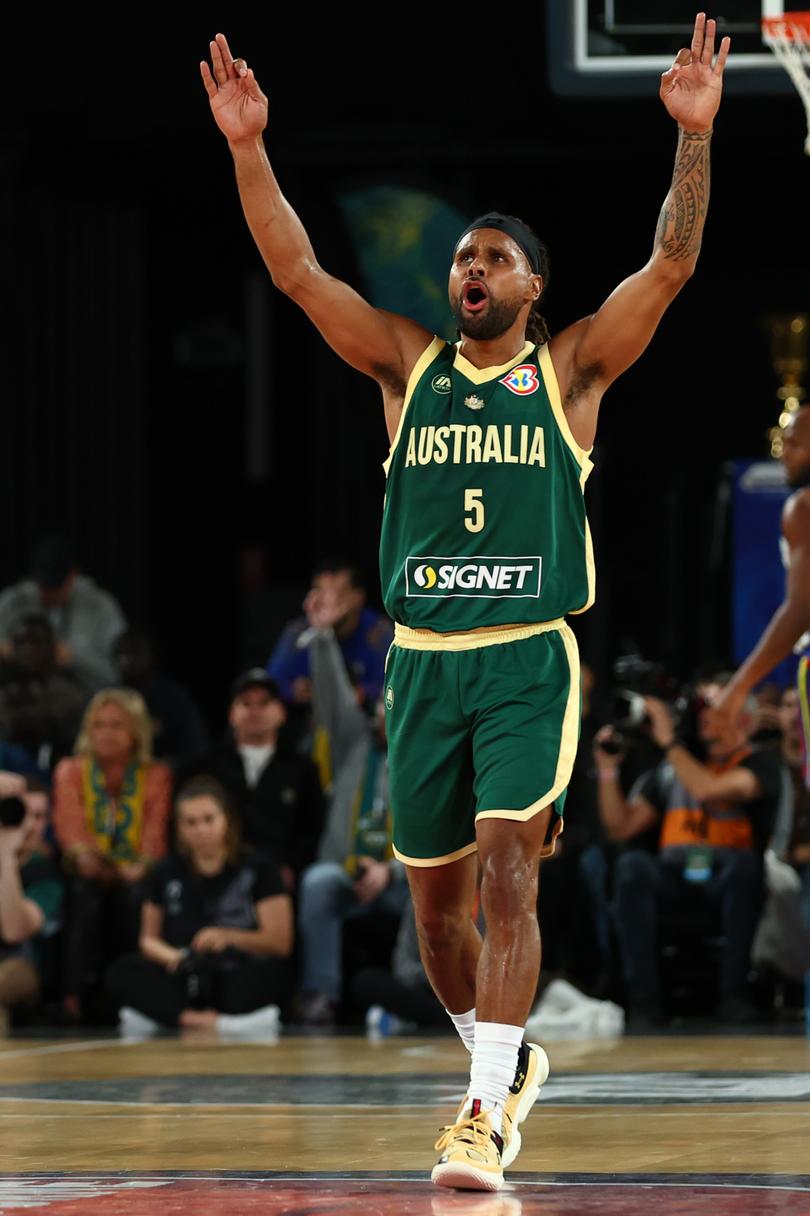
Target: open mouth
(474,296)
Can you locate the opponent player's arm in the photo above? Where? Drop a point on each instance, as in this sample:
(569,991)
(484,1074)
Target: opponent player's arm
(589,355)
(792,617)
(378,343)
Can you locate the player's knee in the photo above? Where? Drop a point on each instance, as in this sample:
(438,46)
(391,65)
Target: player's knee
(440,929)
(508,885)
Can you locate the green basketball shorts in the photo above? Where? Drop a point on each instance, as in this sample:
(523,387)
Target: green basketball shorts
(480,726)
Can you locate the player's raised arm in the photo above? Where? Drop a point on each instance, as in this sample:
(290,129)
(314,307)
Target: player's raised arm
(378,343)
(592,353)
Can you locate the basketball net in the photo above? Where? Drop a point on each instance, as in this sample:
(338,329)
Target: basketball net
(788,37)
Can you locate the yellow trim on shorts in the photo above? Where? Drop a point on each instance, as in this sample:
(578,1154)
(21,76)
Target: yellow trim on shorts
(420,367)
(569,740)
(424,862)
(804,707)
(427,639)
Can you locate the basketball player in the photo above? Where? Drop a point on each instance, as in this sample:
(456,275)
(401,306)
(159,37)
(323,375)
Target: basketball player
(485,548)
(792,618)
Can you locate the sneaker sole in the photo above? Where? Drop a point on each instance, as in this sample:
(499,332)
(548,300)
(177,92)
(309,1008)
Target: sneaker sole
(465,1177)
(528,1098)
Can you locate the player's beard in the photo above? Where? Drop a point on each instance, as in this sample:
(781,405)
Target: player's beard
(499,316)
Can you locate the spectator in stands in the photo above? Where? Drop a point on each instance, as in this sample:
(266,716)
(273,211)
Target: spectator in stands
(355,875)
(85,619)
(276,792)
(216,929)
(15,761)
(41,704)
(111,807)
(364,637)
(714,818)
(30,897)
(179,730)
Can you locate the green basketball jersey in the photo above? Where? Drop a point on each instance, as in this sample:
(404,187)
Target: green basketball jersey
(484,520)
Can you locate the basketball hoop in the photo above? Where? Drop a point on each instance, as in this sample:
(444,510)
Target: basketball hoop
(788,37)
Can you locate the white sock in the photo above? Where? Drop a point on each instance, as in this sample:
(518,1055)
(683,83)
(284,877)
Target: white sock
(261,1021)
(133,1022)
(465,1025)
(494,1061)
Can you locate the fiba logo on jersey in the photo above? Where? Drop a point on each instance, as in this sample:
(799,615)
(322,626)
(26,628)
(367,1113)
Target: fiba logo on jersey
(491,578)
(441,384)
(424,576)
(522,380)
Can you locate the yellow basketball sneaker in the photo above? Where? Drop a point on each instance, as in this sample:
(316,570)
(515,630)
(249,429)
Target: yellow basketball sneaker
(531,1073)
(470,1152)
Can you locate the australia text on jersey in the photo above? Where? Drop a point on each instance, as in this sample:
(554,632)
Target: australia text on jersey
(462,443)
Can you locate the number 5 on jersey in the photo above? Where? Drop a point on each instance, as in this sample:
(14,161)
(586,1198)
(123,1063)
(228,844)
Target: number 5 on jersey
(474,505)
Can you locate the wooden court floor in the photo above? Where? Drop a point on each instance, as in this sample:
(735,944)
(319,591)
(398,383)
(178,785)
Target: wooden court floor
(347,1125)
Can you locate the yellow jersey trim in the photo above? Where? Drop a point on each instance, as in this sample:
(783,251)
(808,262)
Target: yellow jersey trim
(420,367)
(424,862)
(553,390)
(482,375)
(428,639)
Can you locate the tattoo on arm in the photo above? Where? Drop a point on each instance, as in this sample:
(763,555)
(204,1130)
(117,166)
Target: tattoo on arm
(680,225)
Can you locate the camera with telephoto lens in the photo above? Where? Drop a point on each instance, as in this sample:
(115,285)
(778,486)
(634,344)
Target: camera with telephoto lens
(638,678)
(12,812)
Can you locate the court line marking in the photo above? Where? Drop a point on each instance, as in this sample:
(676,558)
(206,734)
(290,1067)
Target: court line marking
(278,1110)
(55,1048)
(638,1180)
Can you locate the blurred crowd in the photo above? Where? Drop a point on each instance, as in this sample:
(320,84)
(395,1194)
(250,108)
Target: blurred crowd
(152,875)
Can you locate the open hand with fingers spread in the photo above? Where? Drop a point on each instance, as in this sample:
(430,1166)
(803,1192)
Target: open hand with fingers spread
(692,87)
(237,103)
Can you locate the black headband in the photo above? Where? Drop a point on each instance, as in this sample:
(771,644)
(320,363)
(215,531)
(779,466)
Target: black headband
(518,231)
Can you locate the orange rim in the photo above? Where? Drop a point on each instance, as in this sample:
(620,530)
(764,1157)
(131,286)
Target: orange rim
(793,26)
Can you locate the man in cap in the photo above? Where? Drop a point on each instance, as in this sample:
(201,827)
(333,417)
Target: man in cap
(276,791)
(485,548)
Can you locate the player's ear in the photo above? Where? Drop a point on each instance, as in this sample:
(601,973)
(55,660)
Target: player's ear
(537,286)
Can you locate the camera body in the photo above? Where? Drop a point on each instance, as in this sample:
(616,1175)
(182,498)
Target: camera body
(638,678)
(12,812)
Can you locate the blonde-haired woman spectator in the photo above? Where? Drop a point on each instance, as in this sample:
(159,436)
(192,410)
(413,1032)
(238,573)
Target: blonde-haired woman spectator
(111,809)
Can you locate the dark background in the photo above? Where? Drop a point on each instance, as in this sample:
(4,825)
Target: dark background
(128,262)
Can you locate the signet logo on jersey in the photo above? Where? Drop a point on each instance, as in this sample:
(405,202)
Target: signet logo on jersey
(522,380)
(441,384)
(489,578)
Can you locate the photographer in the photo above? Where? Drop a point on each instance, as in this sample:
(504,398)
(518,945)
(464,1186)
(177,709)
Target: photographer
(30,891)
(216,929)
(714,817)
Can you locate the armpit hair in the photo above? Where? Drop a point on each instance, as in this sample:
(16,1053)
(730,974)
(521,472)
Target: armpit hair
(389,380)
(581,381)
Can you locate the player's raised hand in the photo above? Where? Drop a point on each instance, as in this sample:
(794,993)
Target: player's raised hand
(237,103)
(692,88)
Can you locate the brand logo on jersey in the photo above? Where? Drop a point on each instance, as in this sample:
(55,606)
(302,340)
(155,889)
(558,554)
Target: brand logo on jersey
(474,403)
(424,576)
(389,697)
(489,578)
(441,384)
(522,380)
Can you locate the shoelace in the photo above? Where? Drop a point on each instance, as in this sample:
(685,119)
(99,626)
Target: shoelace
(478,1133)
